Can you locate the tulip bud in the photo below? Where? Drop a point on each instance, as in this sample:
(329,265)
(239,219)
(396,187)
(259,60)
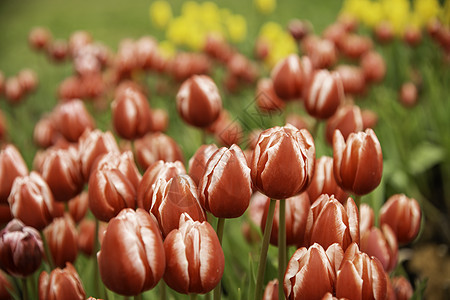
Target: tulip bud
(298,121)
(45,134)
(197,163)
(357,162)
(194,257)
(373,66)
(31,201)
(58,50)
(131,259)
(28,80)
(369,118)
(324,94)
(159,120)
(72,119)
(402,288)
(353,79)
(227,131)
(384,32)
(354,46)
(331,222)
(403,215)
(2,81)
(12,165)
(61,284)
(198,101)
(299,29)
(366,218)
(21,249)
(13,90)
(173,197)
(70,88)
(334,32)
(271,291)
(266,98)
(381,244)
(408,94)
(156,146)
(39,38)
(360,276)
(347,119)
(412,35)
(78,206)
(309,274)
(283,161)
(62,240)
(322,52)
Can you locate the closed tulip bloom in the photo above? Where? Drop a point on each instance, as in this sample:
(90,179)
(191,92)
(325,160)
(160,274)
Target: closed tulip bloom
(131,259)
(331,222)
(13,90)
(322,52)
(402,288)
(309,274)
(21,249)
(62,240)
(86,235)
(357,162)
(39,38)
(374,66)
(347,119)
(198,101)
(353,79)
(45,134)
(31,201)
(194,257)
(403,215)
(58,50)
(360,276)
(382,244)
(197,163)
(61,170)
(369,118)
(159,120)
(323,181)
(226,187)
(354,46)
(271,291)
(61,284)
(266,98)
(72,119)
(283,161)
(78,206)
(173,197)
(366,218)
(412,35)
(384,32)
(156,146)
(408,94)
(28,80)
(12,165)
(334,32)
(157,170)
(2,81)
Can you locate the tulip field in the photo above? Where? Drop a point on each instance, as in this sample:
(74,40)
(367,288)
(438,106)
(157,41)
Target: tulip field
(225,149)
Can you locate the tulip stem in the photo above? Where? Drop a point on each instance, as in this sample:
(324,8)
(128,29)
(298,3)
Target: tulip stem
(264,249)
(193,296)
(357,201)
(96,248)
(281,247)
(48,254)
(162,290)
(24,289)
(138,297)
(220,226)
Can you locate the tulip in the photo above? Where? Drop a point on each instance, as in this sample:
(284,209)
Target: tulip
(353,79)
(403,215)
(347,119)
(61,170)
(309,274)
(62,240)
(185,65)
(322,52)
(45,134)
(334,32)
(197,163)
(198,101)
(5,287)
(173,197)
(324,95)
(13,90)
(357,162)
(241,68)
(21,249)
(31,201)
(360,276)
(61,284)
(381,244)
(39,38)
(283,161)
(408,94)
(86,235)
(146,48)
(2,81)
(366,218)
(70,88)
(266,98)
(226,130)
(159,120)
(331,222)
(5,214)
(72,119)
(226,187)
(369,118)
(78,40)
(323,181)
(298,121)
(384,32)
(299,29)
(58,50)
(402,288)
(412,35)
(354,46)
(218,48)
(271,291)
(373,66)
(78,206)
(156,146)
(28,80)
(131,259)
(12,165)
(194,257)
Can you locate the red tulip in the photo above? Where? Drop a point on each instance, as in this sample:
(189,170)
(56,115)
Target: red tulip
(218,48)
(369,118)
(21,249)
(347,119)
(58,50)
(283,161)
(78,206)
(159,120)
(173,197)
(366,218)
(131,259)
(5,215)
(39,38)
(2,81)
(408,94)
(45,134)
(187,64)
(78,40)
(334,32)
(381,244)
(353,79)
(72,119)
(271,291)
(357,162)
(403,215)
(28,80)
(373,66)
(13,90)
(354,46)
(226,130)
(197,163)
(322,52)
(12,165)
(266,98)
(298,121)
(61,284)
(198,101)
(62,240)
(70,88)
(299,29)
(384,32)
(331,222)
(412,35)
(146,49)
(86,235)
(241,68)
(194,257)
(402,288)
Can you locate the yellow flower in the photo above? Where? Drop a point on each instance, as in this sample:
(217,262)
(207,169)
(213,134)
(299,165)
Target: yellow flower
(237,28)
(160,13)
(398,13)
(270,31)
(167,49)
(265,6)
(178,31)
(425,10)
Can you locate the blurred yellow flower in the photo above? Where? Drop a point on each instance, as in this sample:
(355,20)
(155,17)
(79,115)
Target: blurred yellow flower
(265,6)
(167,49)
(160,13)
(425,10)
(279,41)
(397,12)
(237,28)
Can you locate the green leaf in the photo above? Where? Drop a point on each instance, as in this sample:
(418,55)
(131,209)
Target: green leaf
(420,289)
(425,156)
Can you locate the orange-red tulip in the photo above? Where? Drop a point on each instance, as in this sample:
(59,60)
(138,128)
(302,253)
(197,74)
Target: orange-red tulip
(39,38)
(366,218)
(373,66)
(62,240)
(61,284)
(72,119)
(78,206)
(271,291)
(12,165)
(197,163)
(402,288)
(266,98)
(347,119)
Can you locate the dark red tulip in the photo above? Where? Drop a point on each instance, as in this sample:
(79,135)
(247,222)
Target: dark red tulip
(187,64)
(408,94)
(28,80)
(172,198)
(45,134)
(61,284)
(197,163)
(373,66)
(31,201)
(347,119)
(271,291)
(157,170)
(131,259)
(283,161)
(299,29)
(353,79)
(21,249)
(225,187)
(58,50)
(156,146)
(266,98)
(402,288)
(323,181)
(384,32)
(198,101)
(357,162)
(324,94)
(331,222)
(62,240)
(12,165)
(403,215)
(39,38)
(194,257)
(366,218)
(381,244)
(72,119)
(13,90)
(78,206)
(334,32)
(412,35)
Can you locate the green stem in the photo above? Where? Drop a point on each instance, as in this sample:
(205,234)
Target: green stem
(138,297)
(193,296)
(97,279)
(162,290)
(281,247)
(207,296)
(48,254)
(24,289)
(357,201)
(264,248)
(220,226)
(203,136)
